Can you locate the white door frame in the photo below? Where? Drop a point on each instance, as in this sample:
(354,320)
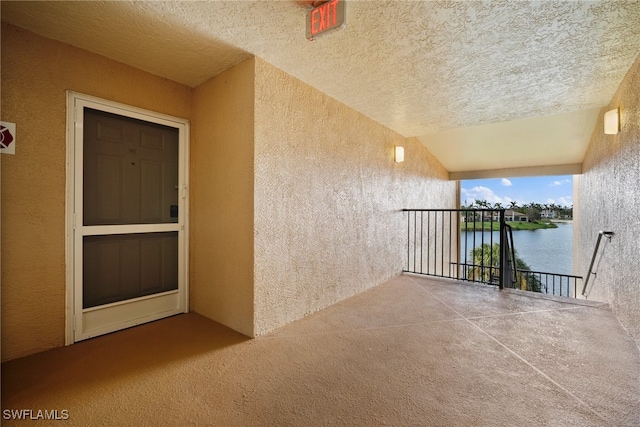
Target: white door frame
(74,189)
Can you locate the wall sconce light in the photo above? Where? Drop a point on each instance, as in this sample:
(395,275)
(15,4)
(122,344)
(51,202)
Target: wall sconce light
(612,122)
(398,154)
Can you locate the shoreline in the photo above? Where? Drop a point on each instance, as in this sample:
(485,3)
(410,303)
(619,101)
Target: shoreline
(515,225)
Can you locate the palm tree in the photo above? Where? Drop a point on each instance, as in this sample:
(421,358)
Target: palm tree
(513,205)
(482,203)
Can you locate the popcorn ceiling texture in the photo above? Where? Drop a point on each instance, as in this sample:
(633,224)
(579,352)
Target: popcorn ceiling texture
(420,67)
(608,198)
(328,199)
(484,61)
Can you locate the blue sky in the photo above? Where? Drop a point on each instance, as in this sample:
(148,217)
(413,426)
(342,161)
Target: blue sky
(541,189)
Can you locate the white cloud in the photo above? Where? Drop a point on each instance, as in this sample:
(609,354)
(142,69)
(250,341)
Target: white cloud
(483,193)
(566,201)
(557,183)
(506,182)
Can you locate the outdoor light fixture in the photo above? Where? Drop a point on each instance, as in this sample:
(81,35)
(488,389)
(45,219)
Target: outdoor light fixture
(612,122)
(398,154)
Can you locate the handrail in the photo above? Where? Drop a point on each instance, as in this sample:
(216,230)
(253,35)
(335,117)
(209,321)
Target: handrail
(608,235)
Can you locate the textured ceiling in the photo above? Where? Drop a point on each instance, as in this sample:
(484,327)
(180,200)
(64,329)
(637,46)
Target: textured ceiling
(431,69)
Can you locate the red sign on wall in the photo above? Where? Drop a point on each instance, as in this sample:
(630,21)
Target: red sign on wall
(7,138)
(325,18)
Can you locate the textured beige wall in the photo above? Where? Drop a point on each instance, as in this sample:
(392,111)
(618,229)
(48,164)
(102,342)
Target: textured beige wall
(608,198)
(221,277)
(295,198)
(36,72)
(328,199)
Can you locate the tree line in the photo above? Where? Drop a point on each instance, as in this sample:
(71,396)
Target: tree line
(533,210)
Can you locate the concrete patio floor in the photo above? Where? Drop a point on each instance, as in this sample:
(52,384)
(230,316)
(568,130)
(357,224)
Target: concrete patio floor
(413,351)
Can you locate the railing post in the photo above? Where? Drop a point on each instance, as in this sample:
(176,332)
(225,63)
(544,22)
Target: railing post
(503,251)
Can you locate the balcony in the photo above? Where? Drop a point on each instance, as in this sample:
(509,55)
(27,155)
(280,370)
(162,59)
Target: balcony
(413,351)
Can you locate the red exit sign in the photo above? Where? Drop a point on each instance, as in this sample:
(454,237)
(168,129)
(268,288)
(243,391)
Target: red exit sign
(327,17)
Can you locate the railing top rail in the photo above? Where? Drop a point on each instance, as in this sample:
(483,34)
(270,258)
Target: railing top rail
(468,264)
(453,210)
(553,274)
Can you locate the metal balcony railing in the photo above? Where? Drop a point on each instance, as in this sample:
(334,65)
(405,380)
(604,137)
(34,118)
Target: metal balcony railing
(550,283)
(436,246)
(526,280)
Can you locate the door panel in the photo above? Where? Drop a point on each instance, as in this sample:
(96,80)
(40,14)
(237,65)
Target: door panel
(103,203)
(120,267)
(130,170)
(151,192)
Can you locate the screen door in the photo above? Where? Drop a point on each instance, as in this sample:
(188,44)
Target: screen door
(129,219)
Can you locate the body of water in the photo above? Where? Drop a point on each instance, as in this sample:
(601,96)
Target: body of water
(549,250)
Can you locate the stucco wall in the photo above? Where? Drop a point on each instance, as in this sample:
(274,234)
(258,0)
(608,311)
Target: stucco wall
(36,72)
(221,277)
(295,198)
(608,198)
(328,199)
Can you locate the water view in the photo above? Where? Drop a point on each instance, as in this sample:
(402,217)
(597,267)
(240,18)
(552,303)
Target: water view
(548,250)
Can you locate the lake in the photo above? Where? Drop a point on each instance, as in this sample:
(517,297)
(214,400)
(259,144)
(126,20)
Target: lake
(549,250)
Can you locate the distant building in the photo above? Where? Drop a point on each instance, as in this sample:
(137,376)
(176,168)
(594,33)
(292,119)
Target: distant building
(511,215)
